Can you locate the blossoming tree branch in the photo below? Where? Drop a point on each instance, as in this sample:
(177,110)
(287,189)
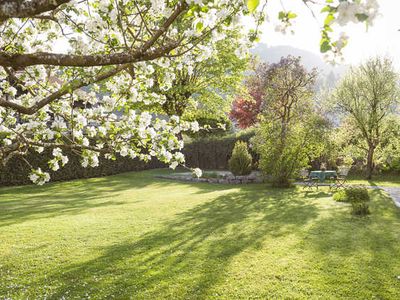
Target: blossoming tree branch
(72,73)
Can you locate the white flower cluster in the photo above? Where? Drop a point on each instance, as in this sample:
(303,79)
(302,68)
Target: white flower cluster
(106,118)
(197,172)
(39,177)
(58,158)
(354,11)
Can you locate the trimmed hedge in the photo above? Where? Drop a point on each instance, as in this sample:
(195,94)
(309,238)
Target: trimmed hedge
(16,171)
(214,153)
(211,153)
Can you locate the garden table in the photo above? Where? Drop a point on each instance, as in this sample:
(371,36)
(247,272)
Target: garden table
(322,175)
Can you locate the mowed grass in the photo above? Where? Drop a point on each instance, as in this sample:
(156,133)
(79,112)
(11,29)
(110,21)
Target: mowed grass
(380,180)
(132,236)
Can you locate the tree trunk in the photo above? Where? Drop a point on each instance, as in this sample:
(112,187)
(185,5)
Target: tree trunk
(370,161)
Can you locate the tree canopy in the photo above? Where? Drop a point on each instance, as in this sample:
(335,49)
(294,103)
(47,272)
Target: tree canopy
(67,67)
(368,95)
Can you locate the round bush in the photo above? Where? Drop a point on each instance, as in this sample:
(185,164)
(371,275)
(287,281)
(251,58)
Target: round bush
(358,197)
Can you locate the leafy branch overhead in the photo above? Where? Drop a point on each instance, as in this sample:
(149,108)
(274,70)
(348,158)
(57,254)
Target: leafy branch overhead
(91,75)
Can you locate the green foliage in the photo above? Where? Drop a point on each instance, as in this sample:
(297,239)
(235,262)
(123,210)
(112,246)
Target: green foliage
(209,87)
(252,5)
(368,96)
(16,171)
(357,194)
(352,194)
(210,175)
(360,208)
(211,124)
(290,131)
(340,196)
(358,197)
(388,154)
(241,160)
(282,159)
(214,152)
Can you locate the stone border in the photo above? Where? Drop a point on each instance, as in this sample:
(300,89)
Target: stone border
(225,178)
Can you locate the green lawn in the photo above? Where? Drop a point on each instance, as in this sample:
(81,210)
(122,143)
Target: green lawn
(381,180)
(133,236)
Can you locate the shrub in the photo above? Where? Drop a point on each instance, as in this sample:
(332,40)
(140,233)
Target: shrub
(357,194)
(214,152)
(241,160)
(358,197)
(360,208)
(340,196)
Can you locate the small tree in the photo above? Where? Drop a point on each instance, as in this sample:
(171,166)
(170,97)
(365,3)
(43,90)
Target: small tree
(368,95)
(289,130)
(302,143)
(241,160)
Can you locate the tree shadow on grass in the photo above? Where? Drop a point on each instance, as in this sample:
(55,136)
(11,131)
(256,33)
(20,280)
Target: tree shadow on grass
(22,203)
(362,253)
(190,254)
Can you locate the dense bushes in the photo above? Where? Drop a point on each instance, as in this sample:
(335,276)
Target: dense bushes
(240,163)
(358,197)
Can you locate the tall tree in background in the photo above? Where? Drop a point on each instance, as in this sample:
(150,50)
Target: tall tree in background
(289,128)
(249,103)
(209,84)
(368,95)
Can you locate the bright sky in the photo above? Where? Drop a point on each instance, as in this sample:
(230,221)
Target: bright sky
(383,38)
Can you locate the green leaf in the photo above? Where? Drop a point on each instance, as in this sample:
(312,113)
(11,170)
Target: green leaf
(281,15)
(326,9)
(199,26)
(328,20)
(361,17)
(325,46)
(291,15)
(252,5)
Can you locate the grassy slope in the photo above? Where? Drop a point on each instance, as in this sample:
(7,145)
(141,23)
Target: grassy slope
(132,236)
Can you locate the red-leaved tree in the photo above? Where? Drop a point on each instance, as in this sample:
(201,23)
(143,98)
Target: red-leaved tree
(245,108)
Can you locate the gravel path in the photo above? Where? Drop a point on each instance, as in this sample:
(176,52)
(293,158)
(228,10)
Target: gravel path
(393,192)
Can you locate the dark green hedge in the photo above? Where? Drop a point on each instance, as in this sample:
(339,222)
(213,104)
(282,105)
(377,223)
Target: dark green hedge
(211,153)
(214,153)
(16,171)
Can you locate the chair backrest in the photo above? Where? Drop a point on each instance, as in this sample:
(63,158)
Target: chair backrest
(343,171)
(304,173)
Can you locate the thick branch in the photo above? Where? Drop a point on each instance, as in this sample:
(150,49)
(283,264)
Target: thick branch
(66,89)
(76,84)
(25,9)
(56,59)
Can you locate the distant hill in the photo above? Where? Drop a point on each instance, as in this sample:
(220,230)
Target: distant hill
(329,74)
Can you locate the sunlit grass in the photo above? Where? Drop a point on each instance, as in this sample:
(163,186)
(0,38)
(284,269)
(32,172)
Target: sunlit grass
(133,236)
(380,180)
